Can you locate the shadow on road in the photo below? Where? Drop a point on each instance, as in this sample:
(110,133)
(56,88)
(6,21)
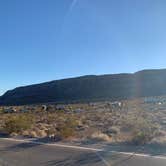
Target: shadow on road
(25,145)
(20,146)
(88,159)
(153,149)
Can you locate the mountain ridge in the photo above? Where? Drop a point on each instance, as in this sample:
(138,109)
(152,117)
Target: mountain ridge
(151,82)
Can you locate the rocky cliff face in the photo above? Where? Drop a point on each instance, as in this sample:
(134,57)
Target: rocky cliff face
(90,88)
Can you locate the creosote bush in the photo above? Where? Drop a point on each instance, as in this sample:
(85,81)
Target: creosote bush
(67,129)
(18,123)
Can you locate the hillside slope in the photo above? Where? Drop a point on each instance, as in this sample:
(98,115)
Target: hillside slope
(88,88)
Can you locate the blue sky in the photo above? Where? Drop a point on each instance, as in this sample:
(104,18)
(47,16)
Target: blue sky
(43,40)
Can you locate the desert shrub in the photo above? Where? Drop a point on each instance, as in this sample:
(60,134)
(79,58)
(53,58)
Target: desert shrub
(17,124)
(67,129)
(1,111)
(141,138)
(51,118)
(142,130)
(66,132)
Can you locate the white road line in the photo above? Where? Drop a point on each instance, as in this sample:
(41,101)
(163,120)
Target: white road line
(139,154)
(103,160)
(84,148)
(54,144)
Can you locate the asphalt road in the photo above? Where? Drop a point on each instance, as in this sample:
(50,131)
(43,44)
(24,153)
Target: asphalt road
(29,154)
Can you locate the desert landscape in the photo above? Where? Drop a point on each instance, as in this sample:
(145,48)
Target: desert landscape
(136,121)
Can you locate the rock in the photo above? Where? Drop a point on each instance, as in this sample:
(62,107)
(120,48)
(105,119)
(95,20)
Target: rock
(13,134)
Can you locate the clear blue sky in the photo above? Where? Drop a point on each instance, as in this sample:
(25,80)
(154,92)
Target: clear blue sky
(42,40)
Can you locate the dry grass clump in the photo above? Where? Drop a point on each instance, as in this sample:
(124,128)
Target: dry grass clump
(25,133)
(33,134)
(99,136)
(41,133)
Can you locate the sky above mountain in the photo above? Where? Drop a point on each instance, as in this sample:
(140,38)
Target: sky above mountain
(42,40)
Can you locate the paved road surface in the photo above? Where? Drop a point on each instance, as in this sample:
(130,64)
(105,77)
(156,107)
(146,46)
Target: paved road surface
(28,154)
